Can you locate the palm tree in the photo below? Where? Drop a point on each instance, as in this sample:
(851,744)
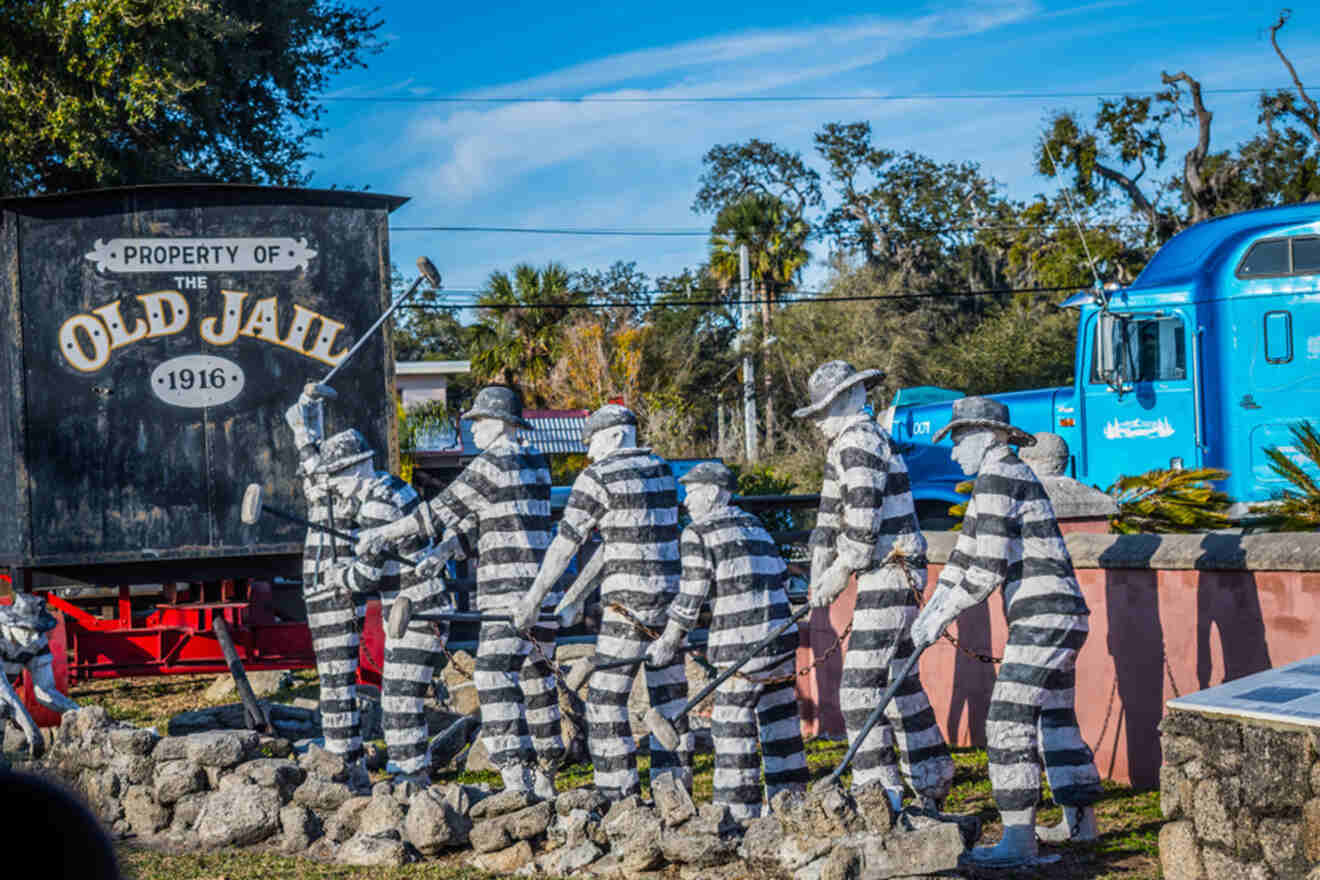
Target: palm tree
(776,238)
(519,325)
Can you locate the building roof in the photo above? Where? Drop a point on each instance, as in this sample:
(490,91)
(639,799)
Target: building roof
(431,368)
(555,430)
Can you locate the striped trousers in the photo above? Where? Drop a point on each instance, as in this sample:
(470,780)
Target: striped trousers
(409,666)
(609,733)
(1031,720)
(746,712)
(519,699)
(884,611)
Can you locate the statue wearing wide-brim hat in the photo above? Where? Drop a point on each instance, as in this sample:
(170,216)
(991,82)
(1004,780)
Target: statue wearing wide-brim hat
(984,412)
(498,402)
(831,379)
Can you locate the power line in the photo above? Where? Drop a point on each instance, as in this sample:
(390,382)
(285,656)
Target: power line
(763,99)
(817,298)
(567,230)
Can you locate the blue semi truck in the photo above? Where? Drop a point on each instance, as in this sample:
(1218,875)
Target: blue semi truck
(1206,359)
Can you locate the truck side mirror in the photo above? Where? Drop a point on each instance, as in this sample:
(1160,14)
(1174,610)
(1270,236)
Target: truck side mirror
(1111,350)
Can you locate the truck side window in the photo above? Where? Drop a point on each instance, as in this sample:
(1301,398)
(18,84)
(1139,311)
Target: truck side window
(1278,337)
(1306,256)
(1155,350)
(1268,257)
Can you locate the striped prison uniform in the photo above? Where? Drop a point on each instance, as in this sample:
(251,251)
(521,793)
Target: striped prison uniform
(728,555)
(336,606)
(24,649)
(500,506)
(1010,536)
(631,497)
(867,514)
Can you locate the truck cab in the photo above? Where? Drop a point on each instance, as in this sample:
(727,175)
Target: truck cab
(1209,357)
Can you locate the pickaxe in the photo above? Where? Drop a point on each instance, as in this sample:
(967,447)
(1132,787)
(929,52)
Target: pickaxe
(254,507)
(583,669)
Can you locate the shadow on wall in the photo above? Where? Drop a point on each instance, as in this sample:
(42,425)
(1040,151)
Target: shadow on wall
(973,680)
(1225,601)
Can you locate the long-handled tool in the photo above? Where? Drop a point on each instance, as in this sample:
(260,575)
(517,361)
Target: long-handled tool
(662,728)
(582,669)
(429,273)
(874,718)
(258,717)
(254,507)
(401,614)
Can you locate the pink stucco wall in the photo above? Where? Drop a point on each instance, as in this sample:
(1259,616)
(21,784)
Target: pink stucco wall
(1210,626)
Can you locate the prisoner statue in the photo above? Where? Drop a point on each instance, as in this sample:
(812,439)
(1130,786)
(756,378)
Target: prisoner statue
(1010,538)
(867,525)
(25,628)
(630,495)
(346,492)
(499,507)
(729,557)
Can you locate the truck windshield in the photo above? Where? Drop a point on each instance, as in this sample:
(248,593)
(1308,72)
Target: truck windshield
(1149,350)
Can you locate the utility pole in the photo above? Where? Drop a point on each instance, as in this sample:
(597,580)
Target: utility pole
(749,376)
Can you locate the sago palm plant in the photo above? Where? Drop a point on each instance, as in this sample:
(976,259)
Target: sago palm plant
(1179,500)
(1296,509)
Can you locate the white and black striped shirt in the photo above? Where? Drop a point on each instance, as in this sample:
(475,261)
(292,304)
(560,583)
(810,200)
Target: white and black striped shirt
(1010,536)
(499,506)
(866,507)
(728,555)
(631,496)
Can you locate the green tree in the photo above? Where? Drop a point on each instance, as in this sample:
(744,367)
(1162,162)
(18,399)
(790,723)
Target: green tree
(520,319)
(733,171)
(113,92)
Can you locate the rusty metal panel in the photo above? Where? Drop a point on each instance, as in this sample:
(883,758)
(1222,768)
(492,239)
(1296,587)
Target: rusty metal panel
(164,332)
(13,495)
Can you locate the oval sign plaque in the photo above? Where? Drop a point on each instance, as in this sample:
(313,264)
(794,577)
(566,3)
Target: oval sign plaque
(197,380)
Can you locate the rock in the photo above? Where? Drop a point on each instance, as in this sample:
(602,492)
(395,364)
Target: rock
(1216,802)
(873,806)
(301,828)
(1179,854)
(1281,845)
(186,810)
(493,834)
(588,799)
(291,722)
(915,819)
(477,759)
(1179,750)
(458,671)
(1222,743)
(1177,793)
(344,823)
(364,850)
(798,851)
(634,832)
(1315,779)
(323,849)
(89,720)
(1246,839)
(672,800)
(437,819)
(568,859)
(322,795)
(173,779)
(171,748)
(1280,768)
(133,768)
(463,699)
(316,761)
(506,801)
(238,816)
(144,815)
(132,740)
(1310,830)
(504,861)
(264,683)
(844,862)
(220,749)
(383,815)
(282,775)
(760,843)
(685,846)
(928,850)
(1219,865)
(820,814)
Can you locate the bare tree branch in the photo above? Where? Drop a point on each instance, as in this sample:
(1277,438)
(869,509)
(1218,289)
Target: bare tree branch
(1194,182)
(1312,119)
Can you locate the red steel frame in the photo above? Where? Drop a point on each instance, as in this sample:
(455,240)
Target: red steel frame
(175,638)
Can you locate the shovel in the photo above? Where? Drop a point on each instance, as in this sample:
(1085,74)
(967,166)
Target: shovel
(662,728)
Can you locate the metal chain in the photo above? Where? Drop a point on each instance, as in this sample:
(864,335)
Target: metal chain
(906,566)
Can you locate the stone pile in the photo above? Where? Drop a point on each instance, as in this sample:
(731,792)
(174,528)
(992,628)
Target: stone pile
(236,788)
(1243,798)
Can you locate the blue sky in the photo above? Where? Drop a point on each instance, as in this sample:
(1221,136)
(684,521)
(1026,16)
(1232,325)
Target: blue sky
(635,165)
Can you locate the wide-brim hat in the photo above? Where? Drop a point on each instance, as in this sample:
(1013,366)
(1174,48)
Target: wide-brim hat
(610,415)
(343,450)
(498,402)
(710,473)
(830,380)
(984,412)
